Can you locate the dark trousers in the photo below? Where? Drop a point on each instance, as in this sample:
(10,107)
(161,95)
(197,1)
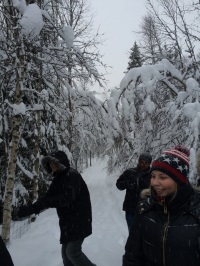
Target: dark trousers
(130,219)
(73,256)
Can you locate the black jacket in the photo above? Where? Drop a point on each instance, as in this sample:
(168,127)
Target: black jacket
(134,181)
(166,235)
(5,258)
(68,193)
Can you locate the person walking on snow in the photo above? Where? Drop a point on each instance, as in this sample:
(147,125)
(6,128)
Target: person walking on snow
(68,193)
(167,226)
(134,180)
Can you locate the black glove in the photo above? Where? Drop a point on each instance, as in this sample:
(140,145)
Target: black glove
(38,206)
(41,204)
(131,184)
(25,211)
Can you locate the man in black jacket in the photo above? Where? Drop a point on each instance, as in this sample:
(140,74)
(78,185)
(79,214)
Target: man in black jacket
(68,193)
(5,258)
(134,180)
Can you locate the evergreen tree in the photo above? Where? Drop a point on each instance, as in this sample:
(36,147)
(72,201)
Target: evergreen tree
(135,57)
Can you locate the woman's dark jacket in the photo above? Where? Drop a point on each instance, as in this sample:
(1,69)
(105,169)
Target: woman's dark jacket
(68,193)
(134,181)
(5,258)
(166,234)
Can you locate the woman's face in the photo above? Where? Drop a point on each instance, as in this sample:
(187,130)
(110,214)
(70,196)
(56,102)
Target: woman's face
(162,184)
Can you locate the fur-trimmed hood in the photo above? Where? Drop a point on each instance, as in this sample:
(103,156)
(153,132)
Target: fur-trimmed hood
(59,158)
(145,193)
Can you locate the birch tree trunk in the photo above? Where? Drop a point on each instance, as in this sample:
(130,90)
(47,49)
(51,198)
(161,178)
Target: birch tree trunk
(16,129)
(36,156)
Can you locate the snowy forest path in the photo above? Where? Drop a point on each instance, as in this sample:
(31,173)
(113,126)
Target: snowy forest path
(109,224)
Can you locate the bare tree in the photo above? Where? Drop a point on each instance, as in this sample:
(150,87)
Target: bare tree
(43,103)
(151,40)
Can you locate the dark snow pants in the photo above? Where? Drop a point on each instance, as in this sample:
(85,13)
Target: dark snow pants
(73,256)
(130,219)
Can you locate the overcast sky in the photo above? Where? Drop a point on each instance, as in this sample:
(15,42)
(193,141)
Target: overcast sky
(118,19)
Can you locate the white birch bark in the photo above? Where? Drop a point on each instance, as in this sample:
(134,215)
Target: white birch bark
(16,125)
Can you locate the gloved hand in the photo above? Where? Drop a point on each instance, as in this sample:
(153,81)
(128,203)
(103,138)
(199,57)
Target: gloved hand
(36,207)
(25,211)
(131,184)
(41,204)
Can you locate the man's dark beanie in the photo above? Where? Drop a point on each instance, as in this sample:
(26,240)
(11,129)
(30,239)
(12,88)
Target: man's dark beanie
(146,156)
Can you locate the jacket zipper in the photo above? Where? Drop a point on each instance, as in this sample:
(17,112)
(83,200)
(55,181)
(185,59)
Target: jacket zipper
(165,233)
(165,227)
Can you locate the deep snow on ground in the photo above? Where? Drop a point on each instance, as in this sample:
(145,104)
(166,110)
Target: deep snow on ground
(40,246)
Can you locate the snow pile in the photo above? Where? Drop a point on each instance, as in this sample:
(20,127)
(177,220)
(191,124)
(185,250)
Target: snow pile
(31,21)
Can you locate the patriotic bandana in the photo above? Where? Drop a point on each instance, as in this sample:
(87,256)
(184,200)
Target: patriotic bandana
(174,163)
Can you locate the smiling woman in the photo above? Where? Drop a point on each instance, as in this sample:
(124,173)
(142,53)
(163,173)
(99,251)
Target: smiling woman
(167,227)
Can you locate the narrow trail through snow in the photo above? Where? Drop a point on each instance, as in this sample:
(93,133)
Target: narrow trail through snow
(109,226)
(105,247)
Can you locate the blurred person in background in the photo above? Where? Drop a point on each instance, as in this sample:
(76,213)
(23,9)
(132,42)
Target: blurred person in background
(134,180)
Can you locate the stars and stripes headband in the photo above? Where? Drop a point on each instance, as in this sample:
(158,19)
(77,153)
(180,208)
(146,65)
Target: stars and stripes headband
(174,163)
